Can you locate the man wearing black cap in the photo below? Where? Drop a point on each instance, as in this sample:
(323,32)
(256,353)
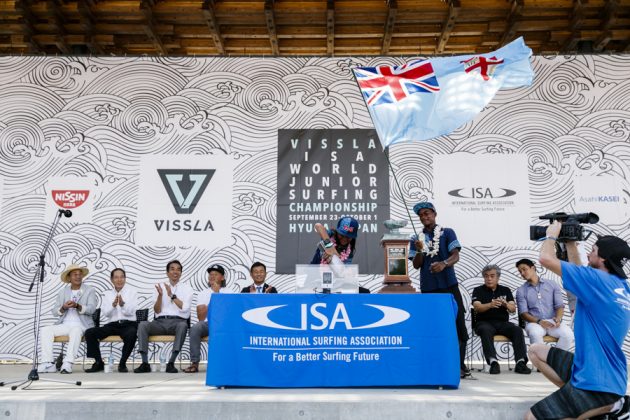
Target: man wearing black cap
(216,280)
(435,253)
(592,381)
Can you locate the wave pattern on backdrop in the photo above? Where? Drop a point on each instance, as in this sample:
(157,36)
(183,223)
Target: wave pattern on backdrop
(97,117)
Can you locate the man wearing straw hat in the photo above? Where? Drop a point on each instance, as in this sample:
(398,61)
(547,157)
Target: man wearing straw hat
(73,308)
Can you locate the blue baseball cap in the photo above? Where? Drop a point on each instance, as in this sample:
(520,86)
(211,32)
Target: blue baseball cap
(348,226)
(423,205)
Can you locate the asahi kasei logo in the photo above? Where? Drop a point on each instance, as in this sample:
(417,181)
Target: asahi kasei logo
(69,199)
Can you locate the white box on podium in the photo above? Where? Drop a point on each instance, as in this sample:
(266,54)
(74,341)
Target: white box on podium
(310,278)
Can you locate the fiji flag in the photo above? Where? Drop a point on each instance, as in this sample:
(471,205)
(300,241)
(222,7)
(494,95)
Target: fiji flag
(428,98)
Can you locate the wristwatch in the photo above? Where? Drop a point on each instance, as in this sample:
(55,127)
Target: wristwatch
(173,297)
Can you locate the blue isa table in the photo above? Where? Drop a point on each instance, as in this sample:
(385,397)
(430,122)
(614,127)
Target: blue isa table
(332,340)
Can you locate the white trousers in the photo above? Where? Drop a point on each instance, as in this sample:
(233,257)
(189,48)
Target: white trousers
(563,333)
(47,336)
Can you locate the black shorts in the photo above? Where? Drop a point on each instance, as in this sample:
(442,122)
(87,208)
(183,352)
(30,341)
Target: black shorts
(569,401)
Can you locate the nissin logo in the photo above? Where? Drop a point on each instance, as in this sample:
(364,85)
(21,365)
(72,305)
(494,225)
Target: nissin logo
(312,317)
(482,192)
(70,199)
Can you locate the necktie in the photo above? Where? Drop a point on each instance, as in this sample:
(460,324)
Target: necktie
(258,289)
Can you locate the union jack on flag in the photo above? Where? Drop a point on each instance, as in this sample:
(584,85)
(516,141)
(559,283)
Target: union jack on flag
(387,84)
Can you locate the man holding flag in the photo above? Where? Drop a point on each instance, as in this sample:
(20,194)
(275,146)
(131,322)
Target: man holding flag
(425,99)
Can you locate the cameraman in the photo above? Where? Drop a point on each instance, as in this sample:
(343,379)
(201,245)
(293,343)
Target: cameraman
(593,380)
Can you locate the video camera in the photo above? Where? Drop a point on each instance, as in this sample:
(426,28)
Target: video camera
(571,230)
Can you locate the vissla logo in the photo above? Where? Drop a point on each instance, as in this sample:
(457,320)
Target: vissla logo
(312,317)
(185,187)
(70,199)
(482,192)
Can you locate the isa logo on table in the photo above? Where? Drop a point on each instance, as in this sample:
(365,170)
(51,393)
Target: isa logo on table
(314,340)
(318,316)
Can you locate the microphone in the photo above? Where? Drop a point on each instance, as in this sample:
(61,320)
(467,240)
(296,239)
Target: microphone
(66,213)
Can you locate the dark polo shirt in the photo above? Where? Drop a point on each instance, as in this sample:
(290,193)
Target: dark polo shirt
(483,294)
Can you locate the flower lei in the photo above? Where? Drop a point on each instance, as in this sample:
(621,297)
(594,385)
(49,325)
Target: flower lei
(343,256)
(433,247)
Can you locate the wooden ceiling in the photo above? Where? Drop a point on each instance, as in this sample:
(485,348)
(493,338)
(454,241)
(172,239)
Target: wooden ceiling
(312,27)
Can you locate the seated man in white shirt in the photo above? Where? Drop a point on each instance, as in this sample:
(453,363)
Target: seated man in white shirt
(119,306)
(75,304)
(172,311)
(216,280)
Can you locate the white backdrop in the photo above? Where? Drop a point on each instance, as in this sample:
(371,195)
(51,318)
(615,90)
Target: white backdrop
(96,119)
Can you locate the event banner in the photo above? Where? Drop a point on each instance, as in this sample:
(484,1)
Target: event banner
(74,194)
(606,195)
(490,190)
(322,176)
(333,340)
(185,201)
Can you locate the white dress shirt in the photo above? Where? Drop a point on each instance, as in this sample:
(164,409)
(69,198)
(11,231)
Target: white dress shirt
(126,312)
(72,316)
(203,297)
(184,293)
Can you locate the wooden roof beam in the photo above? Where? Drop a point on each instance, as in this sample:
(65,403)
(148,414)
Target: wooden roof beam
(271,27)
(453,11)
(87,20)
(22,7)
(146,8)
(392,10)
(56,16)
(577,19)
(602,40)
(608,19)
(330,28)
(213,26)
(512,21)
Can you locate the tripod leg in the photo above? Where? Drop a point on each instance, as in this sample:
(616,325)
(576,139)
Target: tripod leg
(14,387)
(12,382)
(59,381)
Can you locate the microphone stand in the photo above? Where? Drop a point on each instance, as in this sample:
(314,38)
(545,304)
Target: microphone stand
(41,271)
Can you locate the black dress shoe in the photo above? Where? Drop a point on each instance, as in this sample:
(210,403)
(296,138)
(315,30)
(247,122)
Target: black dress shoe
(495,369)
(96,367)
(123,368)
(170,368)
(464,373)
(521,367)
(143,368)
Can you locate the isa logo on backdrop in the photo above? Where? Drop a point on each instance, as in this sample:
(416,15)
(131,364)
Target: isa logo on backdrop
(74,194)
(184,201)
(484,197)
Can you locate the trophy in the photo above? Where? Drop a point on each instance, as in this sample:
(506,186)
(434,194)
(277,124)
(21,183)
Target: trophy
(396,247)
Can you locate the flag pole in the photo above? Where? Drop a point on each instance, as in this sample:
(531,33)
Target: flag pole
(402,194)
